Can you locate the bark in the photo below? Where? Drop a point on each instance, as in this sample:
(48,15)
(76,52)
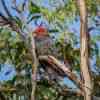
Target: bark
(84,42)
(34,68)
(59,66)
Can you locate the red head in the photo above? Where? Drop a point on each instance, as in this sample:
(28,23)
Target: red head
(41,31)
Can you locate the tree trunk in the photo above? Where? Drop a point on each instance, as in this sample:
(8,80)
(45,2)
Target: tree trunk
(84,42)
(34,68)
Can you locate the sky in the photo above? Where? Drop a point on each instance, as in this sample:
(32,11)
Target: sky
(7,72)
(73,27)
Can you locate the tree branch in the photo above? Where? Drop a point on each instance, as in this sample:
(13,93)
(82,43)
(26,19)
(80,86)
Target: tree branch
(6,9)
(84,51)
(59,65)
(35,64)
(5,89)
(12,24)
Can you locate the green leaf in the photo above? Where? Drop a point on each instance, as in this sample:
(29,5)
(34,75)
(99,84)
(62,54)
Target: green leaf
(33,8)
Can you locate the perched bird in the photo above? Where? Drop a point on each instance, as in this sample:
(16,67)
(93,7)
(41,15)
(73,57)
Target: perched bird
(45,46)
(44,43)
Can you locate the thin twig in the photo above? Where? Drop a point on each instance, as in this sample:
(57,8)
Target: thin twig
(6,9)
